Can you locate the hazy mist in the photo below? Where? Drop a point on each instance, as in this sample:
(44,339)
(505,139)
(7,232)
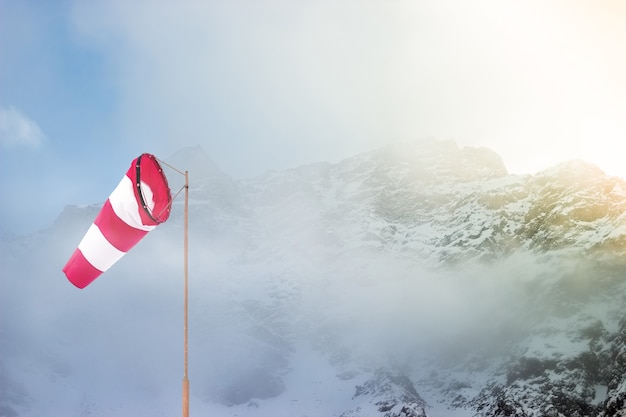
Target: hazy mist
(255,298)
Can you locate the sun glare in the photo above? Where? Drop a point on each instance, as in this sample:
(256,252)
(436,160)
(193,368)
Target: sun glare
(605,145)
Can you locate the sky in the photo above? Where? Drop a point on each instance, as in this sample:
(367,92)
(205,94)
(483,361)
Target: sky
(86,86)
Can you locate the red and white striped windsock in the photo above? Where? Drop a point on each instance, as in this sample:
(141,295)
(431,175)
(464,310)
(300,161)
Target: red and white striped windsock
(141,201)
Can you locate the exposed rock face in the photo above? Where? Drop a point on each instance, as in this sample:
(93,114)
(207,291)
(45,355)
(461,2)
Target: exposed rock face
(615,404)
(392,394)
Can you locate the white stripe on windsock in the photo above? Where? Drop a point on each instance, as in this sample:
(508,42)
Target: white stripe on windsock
(125,205)
(97,249)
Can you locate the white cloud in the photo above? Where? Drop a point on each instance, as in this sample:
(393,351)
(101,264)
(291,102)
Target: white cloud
(18,130)
(274,84)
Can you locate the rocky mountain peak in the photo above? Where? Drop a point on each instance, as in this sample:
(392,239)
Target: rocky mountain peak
(197,161)
(436,161)
(571,173)
(208,183)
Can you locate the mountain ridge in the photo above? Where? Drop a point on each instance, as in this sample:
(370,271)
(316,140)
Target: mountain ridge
(425,279)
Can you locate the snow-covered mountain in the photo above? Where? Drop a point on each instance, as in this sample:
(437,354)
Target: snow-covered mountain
(418,279)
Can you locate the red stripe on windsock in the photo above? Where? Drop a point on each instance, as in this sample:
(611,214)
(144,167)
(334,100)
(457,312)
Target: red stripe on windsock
(79,271)
(116,231)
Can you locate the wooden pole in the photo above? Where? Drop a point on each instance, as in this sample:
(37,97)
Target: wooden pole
(186,249)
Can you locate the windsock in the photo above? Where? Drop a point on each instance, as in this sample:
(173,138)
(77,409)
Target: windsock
(140,202)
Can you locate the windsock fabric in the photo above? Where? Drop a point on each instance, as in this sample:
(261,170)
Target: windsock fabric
(140,202)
